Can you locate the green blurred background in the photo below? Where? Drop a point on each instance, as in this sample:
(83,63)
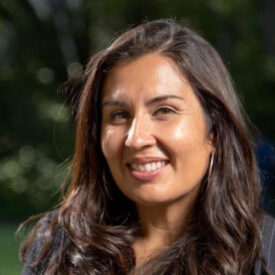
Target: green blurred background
(44,42)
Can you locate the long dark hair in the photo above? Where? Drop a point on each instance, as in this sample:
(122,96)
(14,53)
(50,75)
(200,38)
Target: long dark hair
(97,224)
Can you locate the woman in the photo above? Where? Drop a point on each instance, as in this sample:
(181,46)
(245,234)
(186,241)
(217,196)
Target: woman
(164,179)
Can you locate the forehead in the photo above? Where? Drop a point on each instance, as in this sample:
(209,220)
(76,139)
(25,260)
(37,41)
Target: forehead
(150,73)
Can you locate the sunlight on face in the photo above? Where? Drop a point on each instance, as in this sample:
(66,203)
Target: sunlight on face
(154,133)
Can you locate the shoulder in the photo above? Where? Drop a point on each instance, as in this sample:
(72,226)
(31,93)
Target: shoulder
(42,236)
(268,241)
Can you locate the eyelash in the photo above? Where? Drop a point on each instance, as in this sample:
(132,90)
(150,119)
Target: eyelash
(165,111)
(124,115)
(118,115)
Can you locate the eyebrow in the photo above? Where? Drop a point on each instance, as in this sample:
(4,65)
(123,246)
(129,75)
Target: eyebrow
(162,98)
(157,99)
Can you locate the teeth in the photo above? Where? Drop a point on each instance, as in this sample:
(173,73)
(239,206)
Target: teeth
(140,168)
(148,166)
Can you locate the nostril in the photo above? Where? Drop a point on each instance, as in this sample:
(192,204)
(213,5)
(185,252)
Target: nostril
(138,142)
(139,135)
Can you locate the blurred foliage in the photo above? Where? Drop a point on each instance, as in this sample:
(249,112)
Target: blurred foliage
(10,264)
(43,42)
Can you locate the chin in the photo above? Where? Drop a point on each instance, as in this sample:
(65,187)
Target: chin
(154,199)
(155,196)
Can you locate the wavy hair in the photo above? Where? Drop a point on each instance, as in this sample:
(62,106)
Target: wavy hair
(96,225)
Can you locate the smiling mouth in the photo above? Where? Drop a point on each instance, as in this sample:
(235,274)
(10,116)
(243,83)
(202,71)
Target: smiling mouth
(147,171)
(147,167)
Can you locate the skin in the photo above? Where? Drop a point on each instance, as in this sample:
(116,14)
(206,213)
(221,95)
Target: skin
(149,110)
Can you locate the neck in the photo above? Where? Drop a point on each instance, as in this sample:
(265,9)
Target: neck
(164,221)
(161,225)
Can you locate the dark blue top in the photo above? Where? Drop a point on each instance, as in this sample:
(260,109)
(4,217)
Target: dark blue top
(268,238)
(268,252)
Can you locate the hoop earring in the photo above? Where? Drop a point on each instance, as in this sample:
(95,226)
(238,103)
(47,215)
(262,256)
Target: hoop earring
(211,165)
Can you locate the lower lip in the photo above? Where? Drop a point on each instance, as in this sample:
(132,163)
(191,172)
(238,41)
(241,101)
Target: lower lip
(147,175)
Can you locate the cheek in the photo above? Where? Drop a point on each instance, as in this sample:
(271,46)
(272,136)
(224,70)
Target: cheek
(187,135)
(111,143)
(176,133)
(106,142)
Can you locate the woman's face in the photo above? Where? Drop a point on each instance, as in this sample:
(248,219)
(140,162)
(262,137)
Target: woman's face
(154,133)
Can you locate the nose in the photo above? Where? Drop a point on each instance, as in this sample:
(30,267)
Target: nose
(140,134)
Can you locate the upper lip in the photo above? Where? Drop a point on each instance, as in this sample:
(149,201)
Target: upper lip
(142,160)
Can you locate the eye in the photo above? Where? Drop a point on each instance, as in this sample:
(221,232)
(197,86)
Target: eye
(119,116)
(164,111)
